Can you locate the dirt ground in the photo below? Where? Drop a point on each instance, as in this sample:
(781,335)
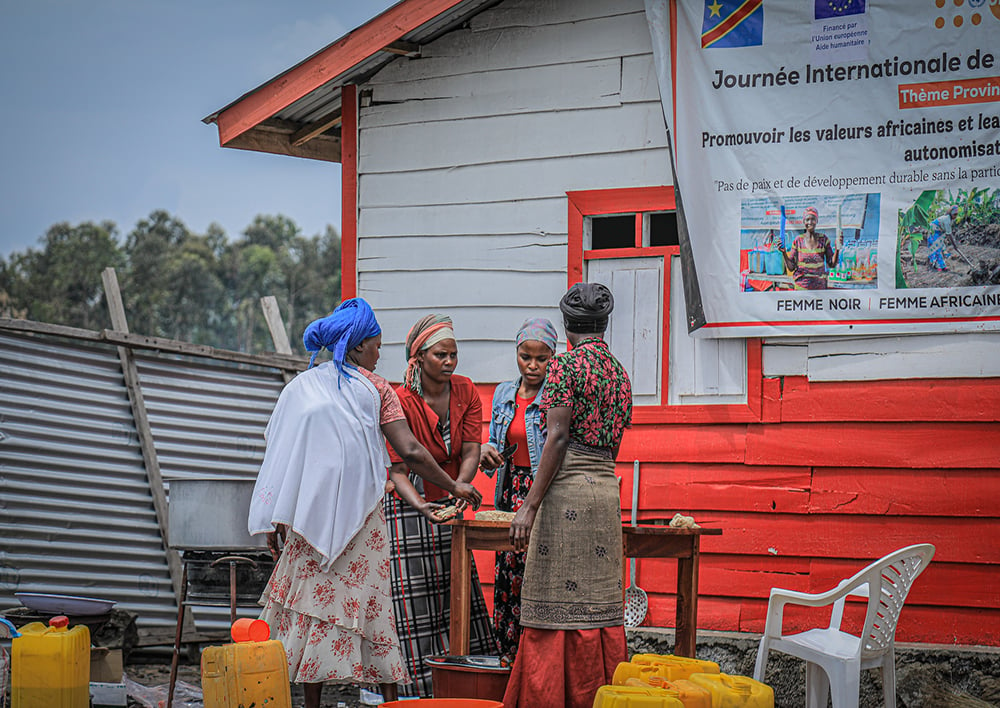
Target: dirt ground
(158,675)
(980,244)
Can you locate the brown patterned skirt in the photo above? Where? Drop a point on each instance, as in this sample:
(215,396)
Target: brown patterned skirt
(573,570)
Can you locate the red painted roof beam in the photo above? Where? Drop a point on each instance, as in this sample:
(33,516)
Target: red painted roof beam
(345,53)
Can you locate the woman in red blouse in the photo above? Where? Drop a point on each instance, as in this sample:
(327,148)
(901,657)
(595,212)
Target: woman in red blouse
(444,411)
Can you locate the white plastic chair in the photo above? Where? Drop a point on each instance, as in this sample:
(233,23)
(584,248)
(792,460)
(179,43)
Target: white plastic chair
(835,658)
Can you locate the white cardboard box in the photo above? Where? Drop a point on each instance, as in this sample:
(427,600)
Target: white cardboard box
(103,693)
(107,677)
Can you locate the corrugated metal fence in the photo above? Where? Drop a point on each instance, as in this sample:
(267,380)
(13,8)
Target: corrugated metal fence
(76,508)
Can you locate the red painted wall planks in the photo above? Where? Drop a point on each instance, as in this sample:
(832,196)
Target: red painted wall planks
(685,443)
(970,493)
(969,585)
(860,538)
(903,400)
(832,477)
(875,444)
(668,488)
(916,623)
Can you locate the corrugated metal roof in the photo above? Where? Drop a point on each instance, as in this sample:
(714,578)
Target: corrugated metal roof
(207,420)
(324,101)
(207,417)
(76,510)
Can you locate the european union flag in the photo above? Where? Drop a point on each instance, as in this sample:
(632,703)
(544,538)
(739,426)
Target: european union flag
(838,8)
(733,23)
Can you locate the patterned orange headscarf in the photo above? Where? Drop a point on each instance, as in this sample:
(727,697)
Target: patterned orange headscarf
(427,332)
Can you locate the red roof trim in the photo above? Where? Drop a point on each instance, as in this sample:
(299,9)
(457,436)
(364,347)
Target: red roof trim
(349,193)
(348,51)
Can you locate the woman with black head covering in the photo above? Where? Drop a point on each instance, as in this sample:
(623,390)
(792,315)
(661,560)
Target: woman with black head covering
(320,490)
(572,615)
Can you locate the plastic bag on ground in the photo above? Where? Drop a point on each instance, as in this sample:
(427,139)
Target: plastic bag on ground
(185,695)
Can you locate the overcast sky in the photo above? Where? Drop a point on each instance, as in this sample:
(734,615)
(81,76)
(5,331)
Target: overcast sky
(101,105)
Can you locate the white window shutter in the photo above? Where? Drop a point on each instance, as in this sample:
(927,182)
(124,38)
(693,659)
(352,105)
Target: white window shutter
(637,321)
(702,371)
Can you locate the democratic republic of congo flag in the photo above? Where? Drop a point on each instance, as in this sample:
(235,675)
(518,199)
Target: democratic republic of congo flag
(838,8)
(733,23)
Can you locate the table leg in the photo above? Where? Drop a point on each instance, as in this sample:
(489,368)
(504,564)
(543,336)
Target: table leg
(685,638)
(232,592)
(178,634)
(625,562)
(461,589)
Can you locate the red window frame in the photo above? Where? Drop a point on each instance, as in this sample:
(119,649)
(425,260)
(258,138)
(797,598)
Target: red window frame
(640,200)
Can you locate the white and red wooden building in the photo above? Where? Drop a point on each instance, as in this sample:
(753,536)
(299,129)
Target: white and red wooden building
(492,154)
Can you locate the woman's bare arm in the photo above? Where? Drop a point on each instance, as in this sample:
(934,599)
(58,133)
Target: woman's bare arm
(417,458)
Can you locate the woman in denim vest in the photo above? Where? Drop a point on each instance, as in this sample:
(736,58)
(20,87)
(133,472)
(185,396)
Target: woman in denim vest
(516,419)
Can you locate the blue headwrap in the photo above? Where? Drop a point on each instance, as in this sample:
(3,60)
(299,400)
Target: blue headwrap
(345,328)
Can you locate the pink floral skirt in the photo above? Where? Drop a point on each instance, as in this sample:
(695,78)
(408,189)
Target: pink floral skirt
(337,625)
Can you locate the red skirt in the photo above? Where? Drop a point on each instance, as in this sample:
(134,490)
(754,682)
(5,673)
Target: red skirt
(563,668)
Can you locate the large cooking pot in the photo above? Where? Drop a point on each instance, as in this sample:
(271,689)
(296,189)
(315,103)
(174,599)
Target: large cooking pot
(211,514)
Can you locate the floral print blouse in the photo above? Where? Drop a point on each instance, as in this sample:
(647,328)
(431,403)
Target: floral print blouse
(589,380)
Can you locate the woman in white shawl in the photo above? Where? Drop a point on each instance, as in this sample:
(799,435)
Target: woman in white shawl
(320,491)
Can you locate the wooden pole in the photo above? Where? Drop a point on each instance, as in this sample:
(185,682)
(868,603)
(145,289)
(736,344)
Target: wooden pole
(158,344)
(135,397)
(276,326)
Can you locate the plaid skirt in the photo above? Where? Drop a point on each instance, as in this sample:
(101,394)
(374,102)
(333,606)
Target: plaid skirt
(421,594)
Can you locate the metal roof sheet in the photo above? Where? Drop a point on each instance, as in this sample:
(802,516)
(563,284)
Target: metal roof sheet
(324,102)
(76,509)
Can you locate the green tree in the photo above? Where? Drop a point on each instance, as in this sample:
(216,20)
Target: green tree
(154,249)
(61,282)
(178,284)
(252,271)
(326,294)
(273,258)
(197,301)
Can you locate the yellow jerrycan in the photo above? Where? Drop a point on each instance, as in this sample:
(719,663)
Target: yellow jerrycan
(635,697)
(673,667)
(253,671)
(735,691)
(691,695)
(50,666)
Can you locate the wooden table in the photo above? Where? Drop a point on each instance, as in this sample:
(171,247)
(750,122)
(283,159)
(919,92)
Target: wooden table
(639,542)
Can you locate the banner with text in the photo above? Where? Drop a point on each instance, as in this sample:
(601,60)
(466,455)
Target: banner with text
(840,163)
